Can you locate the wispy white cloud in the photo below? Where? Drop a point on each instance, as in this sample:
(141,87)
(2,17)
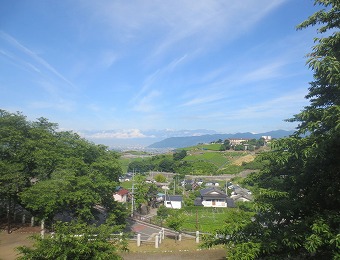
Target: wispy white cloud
(119,134)
(60,105)
(19,62)
(35,57)
(199,100)
(272,70)
(108,58)
(280,107)
(145,99)
(148,102)
(173,23)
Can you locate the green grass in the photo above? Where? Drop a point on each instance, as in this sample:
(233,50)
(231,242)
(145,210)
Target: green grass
(124,162)
(126,184)
(213,157)
(205,219)
(211,147)
(230,169)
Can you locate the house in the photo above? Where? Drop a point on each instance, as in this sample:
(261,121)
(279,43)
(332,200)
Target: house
(213,197)
(241,197)
(237,141)
(121,195)
(173,201)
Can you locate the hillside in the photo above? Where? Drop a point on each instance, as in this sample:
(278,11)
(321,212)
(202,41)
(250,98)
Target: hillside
(181,142)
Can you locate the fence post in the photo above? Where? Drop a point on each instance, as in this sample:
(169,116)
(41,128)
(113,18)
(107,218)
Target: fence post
(156,241)
(42,227)
(180,237)
(23,219)
(32,221)
(160,237)
(138,239)
(163,235)
(197,236)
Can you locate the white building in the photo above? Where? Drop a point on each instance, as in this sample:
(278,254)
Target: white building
(213,197)
(173,201)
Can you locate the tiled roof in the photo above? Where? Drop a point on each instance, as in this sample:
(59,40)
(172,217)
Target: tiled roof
(173,198)
(122,192)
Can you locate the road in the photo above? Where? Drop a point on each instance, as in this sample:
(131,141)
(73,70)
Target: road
(146,231)
(224,177)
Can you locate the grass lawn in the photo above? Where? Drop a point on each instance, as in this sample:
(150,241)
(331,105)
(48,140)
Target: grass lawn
(205,219)
(124,163)
(216,158)
(126,185)
(186,249)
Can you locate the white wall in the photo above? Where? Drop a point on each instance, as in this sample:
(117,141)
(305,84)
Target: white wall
(217,203)
(119,198)
(173,204)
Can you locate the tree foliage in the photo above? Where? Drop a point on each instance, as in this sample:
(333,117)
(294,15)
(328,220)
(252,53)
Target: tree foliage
(175,221)
(179,155)
(226,145)
(160,178)
(47,171)
(76,241)
(298,198)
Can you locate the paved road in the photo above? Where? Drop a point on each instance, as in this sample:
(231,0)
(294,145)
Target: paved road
(147,231)
(224,177)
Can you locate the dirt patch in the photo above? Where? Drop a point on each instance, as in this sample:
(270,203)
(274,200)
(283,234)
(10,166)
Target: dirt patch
(216,254)
(171,249)
(18,237)
(168,249)
(246,158)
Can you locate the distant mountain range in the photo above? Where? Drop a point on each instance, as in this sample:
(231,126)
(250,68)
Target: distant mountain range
(136,138)
(185,141)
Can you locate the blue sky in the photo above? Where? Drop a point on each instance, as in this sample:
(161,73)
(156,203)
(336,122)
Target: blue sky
(229,66)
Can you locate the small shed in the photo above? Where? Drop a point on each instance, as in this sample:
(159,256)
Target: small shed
(173,201)
(121,195)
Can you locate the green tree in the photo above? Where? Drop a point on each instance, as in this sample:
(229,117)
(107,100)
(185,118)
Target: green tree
(48,171)
(179,155)
(15,173)
(166,165)
(226,145)
(175,221)
(140,192)
(239,147)
(76,241)
(298,198)
(160,178)
(162,213)
(140,166)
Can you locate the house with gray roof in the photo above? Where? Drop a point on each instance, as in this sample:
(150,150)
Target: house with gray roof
(173,201)
(213,197)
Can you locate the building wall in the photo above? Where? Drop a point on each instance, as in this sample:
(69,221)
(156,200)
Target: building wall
(119,198)
(214,203)
(173,204)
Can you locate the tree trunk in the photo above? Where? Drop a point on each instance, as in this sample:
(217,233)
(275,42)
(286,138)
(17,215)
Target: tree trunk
(9,215)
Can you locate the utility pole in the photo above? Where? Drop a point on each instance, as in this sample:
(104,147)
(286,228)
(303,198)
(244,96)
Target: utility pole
(226,186)
(133,198)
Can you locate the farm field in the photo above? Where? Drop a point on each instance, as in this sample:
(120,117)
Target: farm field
(205,220)
(228,162)
(217,158)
